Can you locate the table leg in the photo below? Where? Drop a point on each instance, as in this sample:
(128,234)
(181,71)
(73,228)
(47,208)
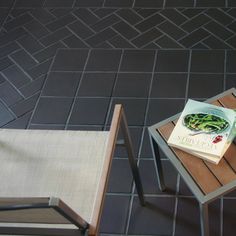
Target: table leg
(158,164)
(204,219)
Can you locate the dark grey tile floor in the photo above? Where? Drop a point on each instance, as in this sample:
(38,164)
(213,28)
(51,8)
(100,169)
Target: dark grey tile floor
(65,63)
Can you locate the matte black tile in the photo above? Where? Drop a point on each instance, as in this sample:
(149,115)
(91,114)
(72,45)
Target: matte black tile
(114,214)
(70,60)
(42,15)
(150,22)
(23,59)
(40,69)
(120,179)
(74,42)
(160,109)
(118,3)
(16,76)
(30,44)
(6,3)
(2,79)
(212,83)
(146,151)
(146,12)
(220,16)
(120,42)
(48,52)
(146,38)
(138,60)
(47,126)
(218,30)
(3,14)
(148,3)
(89,111)
(17,22)
(29,3)
(134,109)
(149,177)
(231,3)
(52,110)
(228,219)
(19,123)
(125,30)
(210,3)
(100,37)
(36,29)
(179,3)
(62,21)
(215,43)
(58,3)
(129,15)
(172,61)
(86,15)
(89,3)
(172,30)
(161,85)
(186,225)
(194,38)
(8,49)
(183,188)
(6,115)
(132,85)
(81,29)
(97,84)
(230,81)
(103,60)
(62,84)
(85,127)
(156,218)
(230,61)
(174,15)
(207,61)
(25,106)
(105,22)
(167,42)
(5,62)
(195,22)
(55,36)
(33,87)
(12,35)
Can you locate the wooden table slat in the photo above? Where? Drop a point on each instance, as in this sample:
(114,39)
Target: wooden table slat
(195,166)
(228,101)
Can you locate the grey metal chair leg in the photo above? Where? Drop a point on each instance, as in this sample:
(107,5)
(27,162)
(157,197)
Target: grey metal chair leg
(132,161)
(158,164)
(204,219)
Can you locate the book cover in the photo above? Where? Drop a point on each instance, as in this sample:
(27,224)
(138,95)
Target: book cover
(204,130)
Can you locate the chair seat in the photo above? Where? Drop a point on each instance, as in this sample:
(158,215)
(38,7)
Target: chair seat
(44,158)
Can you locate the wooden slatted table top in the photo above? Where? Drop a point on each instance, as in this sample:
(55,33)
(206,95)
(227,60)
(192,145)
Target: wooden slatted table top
(208,176)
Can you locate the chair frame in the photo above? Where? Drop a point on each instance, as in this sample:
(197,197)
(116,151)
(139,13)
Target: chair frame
(119,122)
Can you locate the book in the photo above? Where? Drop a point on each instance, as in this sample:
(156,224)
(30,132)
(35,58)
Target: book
(204,130)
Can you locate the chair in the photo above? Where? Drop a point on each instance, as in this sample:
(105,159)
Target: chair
(53,182)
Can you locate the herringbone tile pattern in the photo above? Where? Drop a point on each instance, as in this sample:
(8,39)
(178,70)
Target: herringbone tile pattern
(30,38)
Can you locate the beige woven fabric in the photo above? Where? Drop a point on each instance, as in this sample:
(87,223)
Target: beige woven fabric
(43,163)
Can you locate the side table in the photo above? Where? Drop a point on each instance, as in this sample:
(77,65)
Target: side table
(206,180)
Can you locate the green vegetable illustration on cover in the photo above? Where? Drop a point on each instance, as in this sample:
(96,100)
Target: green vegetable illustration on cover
(206,123)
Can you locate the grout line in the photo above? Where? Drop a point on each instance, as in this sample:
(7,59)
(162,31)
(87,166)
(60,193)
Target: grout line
(44,83)
(77,90)
(225,71)
(112,90)
(188,76)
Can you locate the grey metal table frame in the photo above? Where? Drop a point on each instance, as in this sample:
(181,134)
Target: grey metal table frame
(157,142)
